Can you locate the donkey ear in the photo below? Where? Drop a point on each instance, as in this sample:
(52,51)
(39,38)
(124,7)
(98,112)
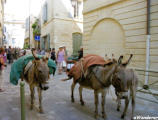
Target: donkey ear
(120,60)
(34,54)
(45,59)
(128,61)
(113,56)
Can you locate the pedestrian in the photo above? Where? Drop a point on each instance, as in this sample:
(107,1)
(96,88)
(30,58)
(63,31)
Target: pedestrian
(80,53)
(60,59)
(66,56)
(38,51)
(53,55)
(5,55)
(43,52)
(2,64)
(24,53)
(9,56)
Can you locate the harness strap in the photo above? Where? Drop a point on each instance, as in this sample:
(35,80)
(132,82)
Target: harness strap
(81,63)
(99,79)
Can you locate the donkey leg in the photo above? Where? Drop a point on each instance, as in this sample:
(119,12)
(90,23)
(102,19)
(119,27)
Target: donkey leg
(32,96)
(125,109)
(40,100)
(118,103)
(72,91)
(103,104)
(133,102)
(80,92)
(96,103)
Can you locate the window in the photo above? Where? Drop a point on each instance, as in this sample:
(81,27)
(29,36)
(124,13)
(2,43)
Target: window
(27,24)
(76,6)
(45,13)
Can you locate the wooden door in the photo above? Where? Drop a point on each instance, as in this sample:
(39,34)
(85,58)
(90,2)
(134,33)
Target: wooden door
(77,42)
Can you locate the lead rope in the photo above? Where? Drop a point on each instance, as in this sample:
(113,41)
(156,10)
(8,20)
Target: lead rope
(82,68)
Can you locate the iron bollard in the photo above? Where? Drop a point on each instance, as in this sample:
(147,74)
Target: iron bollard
(22,96)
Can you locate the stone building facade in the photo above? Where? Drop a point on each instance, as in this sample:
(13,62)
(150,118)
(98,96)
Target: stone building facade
(1,20)
(29,38)
(120,27)
(61,24)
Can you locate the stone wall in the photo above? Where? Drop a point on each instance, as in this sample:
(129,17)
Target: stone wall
(61,25)
(1,22)
(104,19)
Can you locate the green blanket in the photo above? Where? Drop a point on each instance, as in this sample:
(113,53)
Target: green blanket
(18,66)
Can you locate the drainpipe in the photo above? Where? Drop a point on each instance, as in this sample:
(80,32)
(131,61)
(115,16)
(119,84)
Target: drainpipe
(147,46)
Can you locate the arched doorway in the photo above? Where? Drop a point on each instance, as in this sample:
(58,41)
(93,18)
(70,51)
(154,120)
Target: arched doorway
(107,37)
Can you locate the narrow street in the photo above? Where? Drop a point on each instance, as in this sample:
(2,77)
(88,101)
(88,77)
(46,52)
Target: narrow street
(57,103)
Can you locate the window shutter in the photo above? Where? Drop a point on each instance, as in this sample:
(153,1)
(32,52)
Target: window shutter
(42,43)
(46,10)
(48,38)
(45,14)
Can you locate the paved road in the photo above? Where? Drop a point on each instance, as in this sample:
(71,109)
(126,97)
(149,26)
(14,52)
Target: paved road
(57,103)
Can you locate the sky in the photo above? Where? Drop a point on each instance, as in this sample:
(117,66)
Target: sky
(18,10)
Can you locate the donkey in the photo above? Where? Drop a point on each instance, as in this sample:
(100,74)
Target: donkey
(125,82)
(37,75)
(98,78)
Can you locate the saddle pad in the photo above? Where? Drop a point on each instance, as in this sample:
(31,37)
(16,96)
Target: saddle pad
(84,63)
(27,67)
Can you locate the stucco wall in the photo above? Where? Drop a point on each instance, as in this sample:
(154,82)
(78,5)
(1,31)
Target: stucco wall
(32,41)
(60,31)
(60,24)
(131,15)
(1,22)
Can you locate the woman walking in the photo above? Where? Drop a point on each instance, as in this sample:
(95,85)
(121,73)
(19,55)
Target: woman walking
(53,55)
(60,59)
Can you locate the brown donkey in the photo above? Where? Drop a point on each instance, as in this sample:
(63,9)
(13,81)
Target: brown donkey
(97,78)
(37,75)
(125,82)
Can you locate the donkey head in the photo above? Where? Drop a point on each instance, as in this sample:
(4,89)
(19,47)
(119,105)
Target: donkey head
(41,71)
(119,80)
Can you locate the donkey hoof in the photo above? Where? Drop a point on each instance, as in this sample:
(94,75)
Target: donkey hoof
(31,107)
(96,117)
(72,100)
(41,111)
(103,116)
(118,109)
(122,116)
(82,103)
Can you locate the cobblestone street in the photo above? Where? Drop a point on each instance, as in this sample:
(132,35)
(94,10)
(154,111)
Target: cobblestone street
(57,103)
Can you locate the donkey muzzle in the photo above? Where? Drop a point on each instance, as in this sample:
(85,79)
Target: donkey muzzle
(123,95)
(44,86)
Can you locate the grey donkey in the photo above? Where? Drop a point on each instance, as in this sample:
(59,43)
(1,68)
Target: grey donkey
(37,75)
(98,78)
(125,82)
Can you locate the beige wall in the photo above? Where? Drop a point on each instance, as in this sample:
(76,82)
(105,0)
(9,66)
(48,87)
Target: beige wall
(60,24)
(32,41)
(1,21)
(129,17)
